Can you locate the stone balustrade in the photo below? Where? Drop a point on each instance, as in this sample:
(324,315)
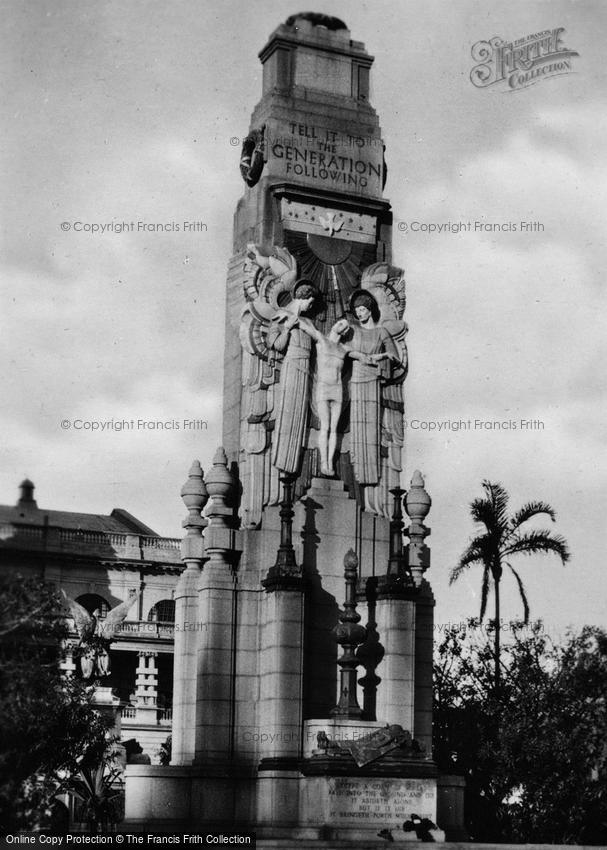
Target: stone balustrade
(102,544)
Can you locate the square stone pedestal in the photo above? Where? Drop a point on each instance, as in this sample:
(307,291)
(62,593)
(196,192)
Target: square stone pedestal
(336,799)
(359,807)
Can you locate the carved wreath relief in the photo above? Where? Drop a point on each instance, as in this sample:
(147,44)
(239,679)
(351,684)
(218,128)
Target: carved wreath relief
(320,395)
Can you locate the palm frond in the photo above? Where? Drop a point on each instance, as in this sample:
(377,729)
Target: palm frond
(530,510)
(491,511)
(540,540)
(521,589)
(475,553)
(499,498)
(481,511)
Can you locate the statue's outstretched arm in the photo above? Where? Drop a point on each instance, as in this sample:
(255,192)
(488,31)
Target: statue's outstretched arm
(367,359)
(307,327)
(278,334)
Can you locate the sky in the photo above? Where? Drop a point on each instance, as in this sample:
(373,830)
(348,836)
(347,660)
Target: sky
(134,111)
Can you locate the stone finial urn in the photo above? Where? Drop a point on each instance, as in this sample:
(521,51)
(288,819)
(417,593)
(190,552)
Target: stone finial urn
(219,479)
(194,493)
(417,500)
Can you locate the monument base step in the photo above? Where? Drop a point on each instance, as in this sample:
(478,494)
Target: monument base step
(337,844)
(332,844)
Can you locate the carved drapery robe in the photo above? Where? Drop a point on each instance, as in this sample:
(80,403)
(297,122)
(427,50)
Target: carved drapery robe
(365,402)
(293,395)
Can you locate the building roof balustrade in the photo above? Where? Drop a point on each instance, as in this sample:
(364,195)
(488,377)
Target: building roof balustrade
(104,544)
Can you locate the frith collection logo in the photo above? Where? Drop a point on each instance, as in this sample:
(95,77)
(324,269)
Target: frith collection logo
(521,63)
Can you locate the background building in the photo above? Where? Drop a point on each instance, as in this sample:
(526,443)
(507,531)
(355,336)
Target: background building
(99,561)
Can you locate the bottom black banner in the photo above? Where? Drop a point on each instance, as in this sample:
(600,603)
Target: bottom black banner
(203,838)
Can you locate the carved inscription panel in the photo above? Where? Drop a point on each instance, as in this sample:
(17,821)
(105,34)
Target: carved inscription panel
(368,801)
(325,157)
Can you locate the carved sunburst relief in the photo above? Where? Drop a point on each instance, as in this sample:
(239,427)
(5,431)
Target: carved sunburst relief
(335,266)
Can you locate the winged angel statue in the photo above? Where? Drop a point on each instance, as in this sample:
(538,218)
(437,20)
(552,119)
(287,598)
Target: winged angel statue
(316,381)
(96,634)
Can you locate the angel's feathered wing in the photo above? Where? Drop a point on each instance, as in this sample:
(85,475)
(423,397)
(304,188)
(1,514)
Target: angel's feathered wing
(107,628)
(266,281)
(387,284)
(84,622)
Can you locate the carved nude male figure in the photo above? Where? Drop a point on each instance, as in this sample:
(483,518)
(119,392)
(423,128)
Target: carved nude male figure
(328,393)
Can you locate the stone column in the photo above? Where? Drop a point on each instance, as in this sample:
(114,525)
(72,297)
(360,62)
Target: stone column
(281,678)
(417,505)
(187,620)
(281,668)
(396,626)
(146,688)
(216,611)
(395,617)
(424,645)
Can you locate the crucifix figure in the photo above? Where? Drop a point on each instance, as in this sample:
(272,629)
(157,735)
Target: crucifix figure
(328,392)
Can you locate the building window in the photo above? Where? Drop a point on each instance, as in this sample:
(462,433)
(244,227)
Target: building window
(162,612)
(165,685)
(123,676)
(93,602)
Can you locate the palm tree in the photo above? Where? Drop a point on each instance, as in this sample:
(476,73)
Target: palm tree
(95,787)
(502,539)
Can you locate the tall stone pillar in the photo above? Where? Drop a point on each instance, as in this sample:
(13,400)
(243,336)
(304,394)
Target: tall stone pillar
(417,505)
(313,209)
(216,611)
(282,636)
(319,425)
(281,677)
(424,646)
(146,688)
(281,669)
(187,622)
(395,611)
(395,617)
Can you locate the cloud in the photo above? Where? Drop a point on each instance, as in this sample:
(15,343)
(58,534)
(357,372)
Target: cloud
(509,326)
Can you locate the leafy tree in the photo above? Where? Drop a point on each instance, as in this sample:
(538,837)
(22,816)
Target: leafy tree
(49,726)
(503,539)
(533,753)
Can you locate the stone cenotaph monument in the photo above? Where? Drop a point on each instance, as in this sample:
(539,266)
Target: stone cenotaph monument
(303,644)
